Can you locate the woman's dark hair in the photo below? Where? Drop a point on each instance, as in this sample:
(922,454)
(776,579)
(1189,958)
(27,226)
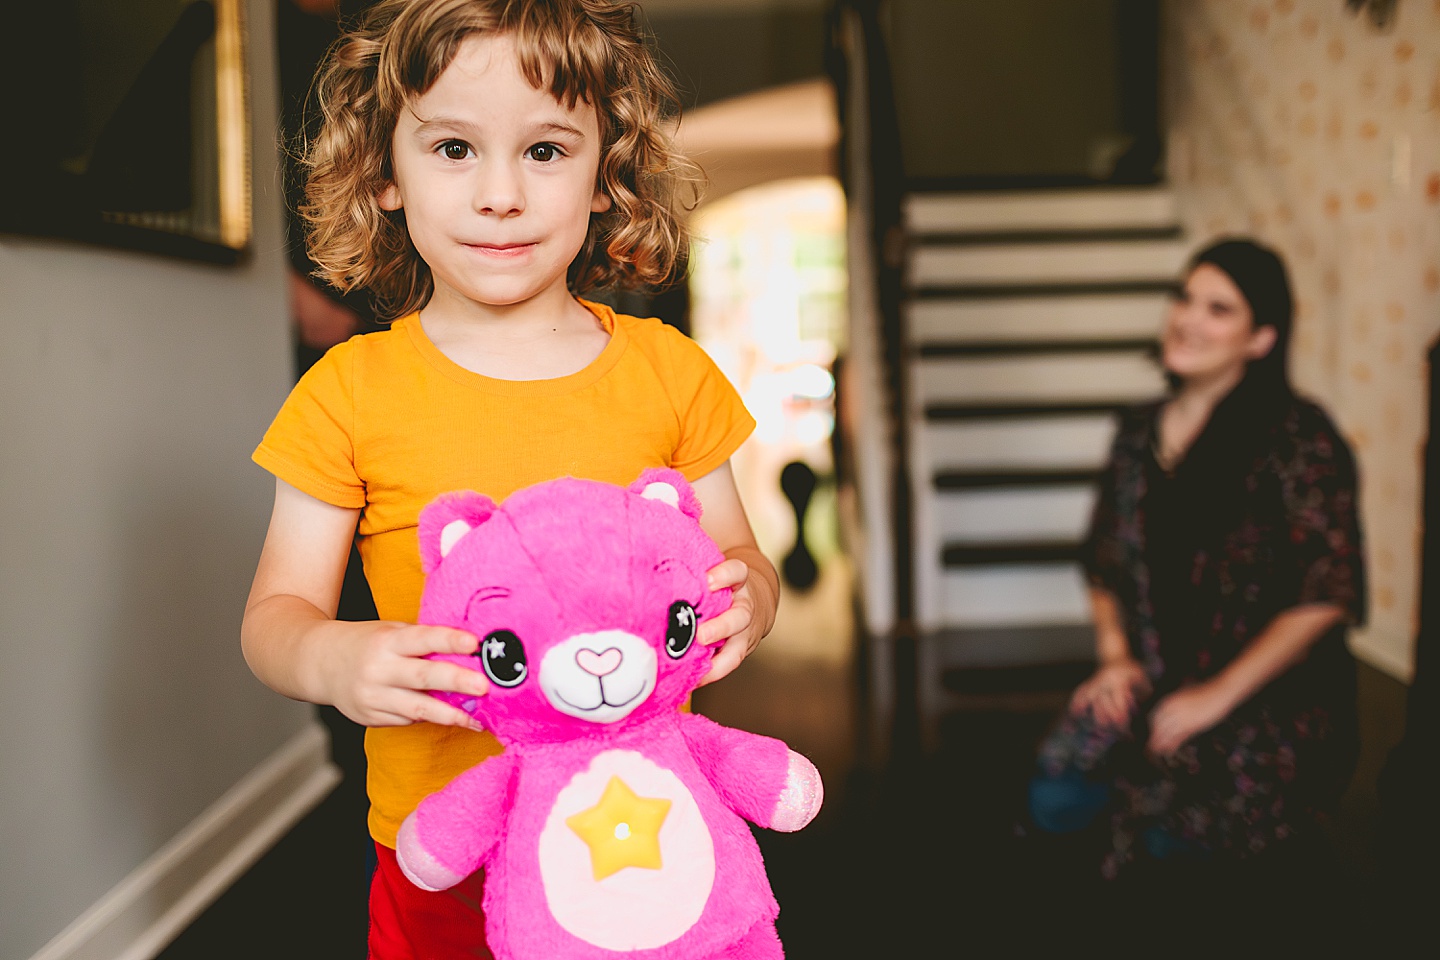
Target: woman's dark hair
(1211,479)
(1263,281)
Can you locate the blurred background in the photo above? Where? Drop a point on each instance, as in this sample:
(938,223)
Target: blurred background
(933,256)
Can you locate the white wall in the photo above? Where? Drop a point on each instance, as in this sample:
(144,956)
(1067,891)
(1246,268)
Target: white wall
(133,389)
(1302,124)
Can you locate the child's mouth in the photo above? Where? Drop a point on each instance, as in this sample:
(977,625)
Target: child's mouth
(504,251)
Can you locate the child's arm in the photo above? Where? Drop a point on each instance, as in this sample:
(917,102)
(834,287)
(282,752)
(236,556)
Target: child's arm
(372,671)
(746,571)
(758,777)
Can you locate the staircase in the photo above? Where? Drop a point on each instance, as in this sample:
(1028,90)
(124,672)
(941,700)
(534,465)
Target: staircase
(1029,320)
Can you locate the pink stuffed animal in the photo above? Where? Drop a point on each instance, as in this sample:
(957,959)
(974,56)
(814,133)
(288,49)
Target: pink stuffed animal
(613,824)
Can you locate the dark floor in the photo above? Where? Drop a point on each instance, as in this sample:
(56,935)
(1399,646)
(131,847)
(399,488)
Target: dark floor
(912,855)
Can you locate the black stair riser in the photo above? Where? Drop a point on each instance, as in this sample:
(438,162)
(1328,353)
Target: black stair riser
(1149,346)
(1019,237)
(979,411)
(1007,554)
(960,480)
(1027,291)
(1027,183)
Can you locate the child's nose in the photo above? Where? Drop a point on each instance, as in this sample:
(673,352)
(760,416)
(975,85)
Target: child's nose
(498,193)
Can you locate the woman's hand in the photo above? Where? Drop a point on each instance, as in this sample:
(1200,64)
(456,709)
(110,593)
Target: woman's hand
(741,628)
(378,676)
(1110,694)
(1184,714)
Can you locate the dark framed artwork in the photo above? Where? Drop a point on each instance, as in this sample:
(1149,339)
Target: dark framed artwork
(130,126)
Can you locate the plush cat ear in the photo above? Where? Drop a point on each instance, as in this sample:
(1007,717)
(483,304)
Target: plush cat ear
(668,486)
(446,520)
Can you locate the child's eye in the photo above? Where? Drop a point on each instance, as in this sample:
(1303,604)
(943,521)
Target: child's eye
(455,149)
(543,152)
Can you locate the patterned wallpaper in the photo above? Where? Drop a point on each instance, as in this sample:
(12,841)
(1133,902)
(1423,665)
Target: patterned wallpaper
(1304,125)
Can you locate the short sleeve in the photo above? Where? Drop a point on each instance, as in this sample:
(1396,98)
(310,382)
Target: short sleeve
(1318,488)
(311,443)
(713,419)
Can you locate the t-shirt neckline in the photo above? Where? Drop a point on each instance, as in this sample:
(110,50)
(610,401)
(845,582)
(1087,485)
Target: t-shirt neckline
(556,386)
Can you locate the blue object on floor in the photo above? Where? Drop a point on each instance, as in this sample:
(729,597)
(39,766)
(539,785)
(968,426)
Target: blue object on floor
(1068,803)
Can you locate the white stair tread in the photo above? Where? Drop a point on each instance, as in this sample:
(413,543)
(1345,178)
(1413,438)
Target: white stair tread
(1034,594)
(1093,317)
(1056,442)
(1121,376)
(1013,515)
(941,213)
(1000,264)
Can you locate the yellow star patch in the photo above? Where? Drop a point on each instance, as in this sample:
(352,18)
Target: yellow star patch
(622,830)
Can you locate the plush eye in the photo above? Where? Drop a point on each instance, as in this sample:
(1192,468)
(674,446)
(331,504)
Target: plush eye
(503,656)
(680,630)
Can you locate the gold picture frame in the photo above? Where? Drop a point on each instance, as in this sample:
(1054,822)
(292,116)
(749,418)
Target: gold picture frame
(143,142)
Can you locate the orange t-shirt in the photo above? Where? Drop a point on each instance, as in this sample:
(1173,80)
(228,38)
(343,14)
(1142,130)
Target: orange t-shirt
(386,423)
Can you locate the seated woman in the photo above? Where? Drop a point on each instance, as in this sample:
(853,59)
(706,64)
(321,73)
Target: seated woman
(1225,564)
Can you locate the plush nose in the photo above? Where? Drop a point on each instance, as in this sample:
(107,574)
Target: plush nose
(598,664)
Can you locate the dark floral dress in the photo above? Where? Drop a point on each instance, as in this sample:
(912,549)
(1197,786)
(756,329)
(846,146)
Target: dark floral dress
(1200,567)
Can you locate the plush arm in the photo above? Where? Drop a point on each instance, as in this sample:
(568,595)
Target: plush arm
(758,777)
(452,832)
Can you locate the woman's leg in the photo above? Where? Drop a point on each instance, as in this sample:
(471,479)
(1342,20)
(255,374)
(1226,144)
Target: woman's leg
(1072,782)
(1068,802)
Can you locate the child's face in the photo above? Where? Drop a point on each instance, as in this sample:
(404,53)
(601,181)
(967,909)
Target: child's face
(497,179)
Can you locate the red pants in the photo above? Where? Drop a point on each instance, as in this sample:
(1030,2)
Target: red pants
(407,923)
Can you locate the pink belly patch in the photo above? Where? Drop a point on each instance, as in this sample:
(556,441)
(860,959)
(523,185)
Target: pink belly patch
(626,860)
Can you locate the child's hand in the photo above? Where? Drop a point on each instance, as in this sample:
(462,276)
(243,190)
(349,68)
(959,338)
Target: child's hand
(741,628)
(378,677)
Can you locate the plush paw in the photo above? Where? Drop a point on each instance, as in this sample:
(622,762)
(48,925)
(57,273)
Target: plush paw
(801,798)
(415,861)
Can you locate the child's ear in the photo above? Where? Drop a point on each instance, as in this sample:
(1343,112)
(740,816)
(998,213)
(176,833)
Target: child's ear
(600,202)
(389,198)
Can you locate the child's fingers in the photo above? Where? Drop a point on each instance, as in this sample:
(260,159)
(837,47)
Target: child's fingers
(726,659)
(449,677)
(408,708)
(731,573)
(417,641)
(724,626)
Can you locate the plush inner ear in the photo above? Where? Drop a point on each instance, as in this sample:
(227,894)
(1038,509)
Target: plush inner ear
(451,535)
(663,492)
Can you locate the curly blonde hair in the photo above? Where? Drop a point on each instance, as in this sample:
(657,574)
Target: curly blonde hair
(587,51)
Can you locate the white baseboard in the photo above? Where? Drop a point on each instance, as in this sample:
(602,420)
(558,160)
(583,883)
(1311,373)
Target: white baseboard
(149,908)
(1385,651)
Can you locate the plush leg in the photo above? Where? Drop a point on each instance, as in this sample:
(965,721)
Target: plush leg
(760,942)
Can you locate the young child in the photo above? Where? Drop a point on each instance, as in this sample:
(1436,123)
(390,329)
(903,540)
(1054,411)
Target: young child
(479,161)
